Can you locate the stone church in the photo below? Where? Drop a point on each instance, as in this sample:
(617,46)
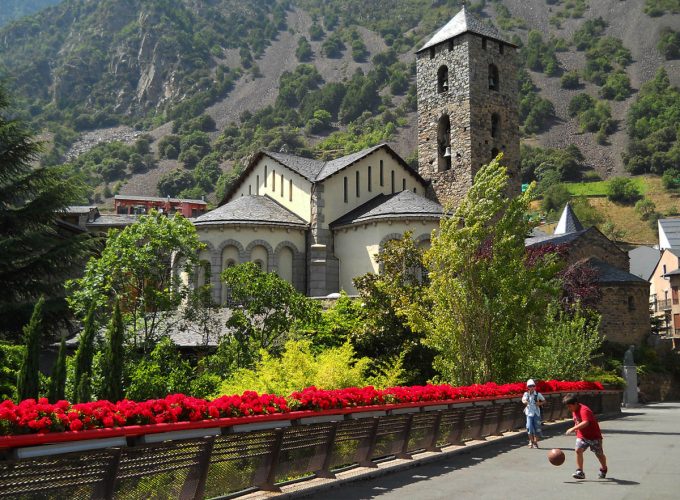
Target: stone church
(318,224)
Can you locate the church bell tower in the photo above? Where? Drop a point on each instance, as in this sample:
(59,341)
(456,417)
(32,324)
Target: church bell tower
(467,106)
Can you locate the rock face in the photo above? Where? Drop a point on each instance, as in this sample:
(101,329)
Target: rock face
(467,101)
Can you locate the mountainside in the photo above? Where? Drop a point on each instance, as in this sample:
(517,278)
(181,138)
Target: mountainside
(210,81)
(14,9)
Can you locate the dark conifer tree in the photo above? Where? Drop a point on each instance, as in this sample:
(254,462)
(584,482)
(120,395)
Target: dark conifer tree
(84,357)
(38,253)
(28,382)
(113,358)
(57,387)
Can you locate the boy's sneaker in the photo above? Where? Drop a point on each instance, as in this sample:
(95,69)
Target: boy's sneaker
(578,474)
(602,474)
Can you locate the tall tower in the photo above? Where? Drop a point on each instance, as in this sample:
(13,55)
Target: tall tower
(467,106)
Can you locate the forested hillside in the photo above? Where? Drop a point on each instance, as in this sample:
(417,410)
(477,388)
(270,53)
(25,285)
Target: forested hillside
(14,9)
(194,87)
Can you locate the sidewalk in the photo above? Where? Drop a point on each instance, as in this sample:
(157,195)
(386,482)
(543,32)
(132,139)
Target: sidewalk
(642,447)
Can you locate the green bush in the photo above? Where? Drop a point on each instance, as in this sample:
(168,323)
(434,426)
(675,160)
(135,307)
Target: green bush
(175,181)
(623,190)
(570,80)
(304,50)
(669,43)
(671,179)
(645,208)
(299,367)
(616,87)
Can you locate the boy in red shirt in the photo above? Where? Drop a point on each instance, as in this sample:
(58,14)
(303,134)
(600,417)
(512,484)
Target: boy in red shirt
(588,435)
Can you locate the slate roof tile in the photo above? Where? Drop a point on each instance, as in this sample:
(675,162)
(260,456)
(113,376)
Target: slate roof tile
(254,210)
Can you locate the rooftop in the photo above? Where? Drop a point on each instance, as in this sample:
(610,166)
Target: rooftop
(402,205)
(669,233)
(251,210)
(158,199)
(568,222)
(465,22)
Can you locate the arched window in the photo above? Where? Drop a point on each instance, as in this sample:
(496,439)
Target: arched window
(444,144)
(493,77)
(494,153)
(495,125)
(443,79)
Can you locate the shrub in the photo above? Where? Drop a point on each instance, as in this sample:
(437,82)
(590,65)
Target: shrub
(669,43)
(616,87)
(580,103)
(645,208)
(171,183)
(168,147)
(304,50)
(570,80)
(671,179)
(554,198)
(623,190)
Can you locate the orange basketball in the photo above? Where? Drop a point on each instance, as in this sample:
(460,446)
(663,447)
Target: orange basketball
(556,456)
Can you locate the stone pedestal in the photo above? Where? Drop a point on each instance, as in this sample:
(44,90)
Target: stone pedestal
(630,395)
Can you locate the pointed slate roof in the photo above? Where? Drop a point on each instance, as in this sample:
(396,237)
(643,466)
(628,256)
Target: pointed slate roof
(464,22)
(251,210)
(606,273)
(568,223)
(669,233)
(402,205)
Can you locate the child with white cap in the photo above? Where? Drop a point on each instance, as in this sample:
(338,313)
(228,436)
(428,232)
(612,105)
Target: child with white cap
(533,401)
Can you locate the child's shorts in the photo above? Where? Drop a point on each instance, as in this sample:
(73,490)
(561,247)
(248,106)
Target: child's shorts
(595,445)
(534,424)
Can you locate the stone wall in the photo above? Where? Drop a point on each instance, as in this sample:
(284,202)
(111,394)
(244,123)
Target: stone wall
(625,312)
(593,243)
(469,104)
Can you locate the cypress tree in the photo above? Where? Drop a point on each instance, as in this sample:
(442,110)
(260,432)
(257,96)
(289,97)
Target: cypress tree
(36,255)
(84,357)
(113,358)
(58,381)
(28,382)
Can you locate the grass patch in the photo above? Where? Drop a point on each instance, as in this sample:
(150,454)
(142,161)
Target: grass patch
(601,188)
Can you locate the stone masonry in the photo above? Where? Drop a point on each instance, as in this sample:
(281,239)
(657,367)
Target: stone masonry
(471,107)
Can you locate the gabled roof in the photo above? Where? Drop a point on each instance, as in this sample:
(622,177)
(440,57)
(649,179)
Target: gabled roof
(568,222)
(669,233)
(251,210)
(606,273)
(158,199)
(554,239)
(464,22)
(643,261)
(402,205)
(316,170)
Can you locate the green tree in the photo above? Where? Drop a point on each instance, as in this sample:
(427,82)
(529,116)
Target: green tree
(669,43)
(645,208)
(623,190)
(484,294)
(386,334)
(175,181)
(304,50)
(142,267)
(57,387)
(10,363)
(28,381)
(36,255)
(112,362)
(161,373)
(563,347)
(83,358)
(570,80)
(554,198)
(268,309)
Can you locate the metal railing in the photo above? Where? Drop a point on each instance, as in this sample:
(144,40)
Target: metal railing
(233,459)
(663,305)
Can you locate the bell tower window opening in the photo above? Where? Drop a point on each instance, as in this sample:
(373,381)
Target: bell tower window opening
(495,125)
(444,144)
(494,153)
(501,48)
(443,79)
(493,77)
(431,52)
(484,43)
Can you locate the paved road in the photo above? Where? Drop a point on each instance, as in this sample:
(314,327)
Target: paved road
(642,447)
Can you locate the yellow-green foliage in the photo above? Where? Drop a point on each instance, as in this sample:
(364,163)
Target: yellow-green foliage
(297,368)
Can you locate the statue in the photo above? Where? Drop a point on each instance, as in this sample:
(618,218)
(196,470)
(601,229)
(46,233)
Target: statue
(628,359)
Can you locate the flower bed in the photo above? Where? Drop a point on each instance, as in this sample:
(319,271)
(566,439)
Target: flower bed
(31,416)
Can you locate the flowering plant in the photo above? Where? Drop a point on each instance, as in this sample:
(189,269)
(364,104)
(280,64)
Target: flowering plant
(31,416)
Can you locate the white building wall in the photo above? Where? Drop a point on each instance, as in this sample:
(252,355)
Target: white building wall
(281,184)
(357,247)
(335,205)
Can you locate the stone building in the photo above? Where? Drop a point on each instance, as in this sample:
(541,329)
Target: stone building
(624,303)
(320,224)
(467,106)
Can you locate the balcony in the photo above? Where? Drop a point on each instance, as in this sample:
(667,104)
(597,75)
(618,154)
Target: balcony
(663,305)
